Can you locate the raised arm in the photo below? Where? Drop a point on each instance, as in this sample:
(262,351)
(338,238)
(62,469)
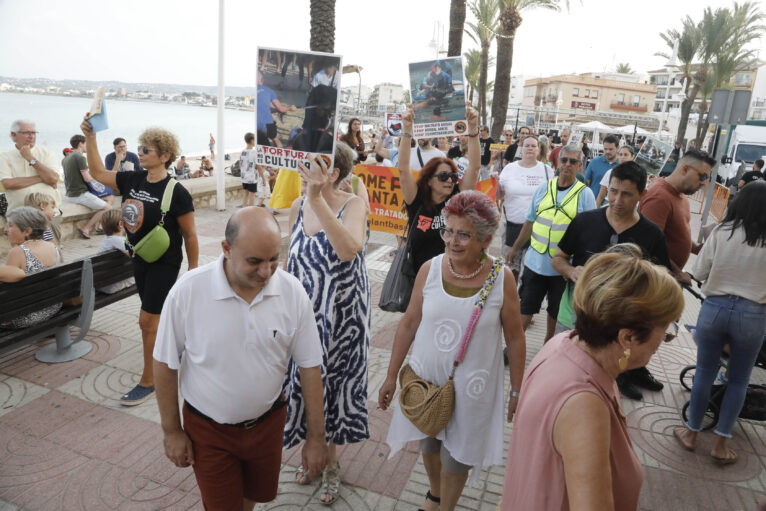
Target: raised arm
(406,180)
(379,149)
(471,175)
(347,235)
(95,164)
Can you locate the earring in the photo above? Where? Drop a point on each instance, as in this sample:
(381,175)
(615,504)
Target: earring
(483,256)
(446,249)
(623,360)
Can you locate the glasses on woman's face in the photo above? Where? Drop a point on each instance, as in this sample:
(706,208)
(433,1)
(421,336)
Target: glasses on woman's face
(671,333)
(461,237)
(145,149)
(446,176)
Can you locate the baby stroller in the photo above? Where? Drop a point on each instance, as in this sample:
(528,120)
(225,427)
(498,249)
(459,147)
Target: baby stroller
(754,407)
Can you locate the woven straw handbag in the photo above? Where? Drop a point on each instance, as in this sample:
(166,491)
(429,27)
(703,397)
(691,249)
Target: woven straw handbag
(429,407)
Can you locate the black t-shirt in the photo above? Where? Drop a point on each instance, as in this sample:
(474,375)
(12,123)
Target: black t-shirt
(486,154)
(141,201)
(454,152)
(510,153)
(426,240)
(753,175)
(590,233)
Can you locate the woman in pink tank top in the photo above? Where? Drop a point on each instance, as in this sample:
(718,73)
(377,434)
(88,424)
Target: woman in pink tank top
(570,447)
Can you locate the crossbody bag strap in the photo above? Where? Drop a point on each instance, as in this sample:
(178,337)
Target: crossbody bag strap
(420,157)
(167,197)
(481,301)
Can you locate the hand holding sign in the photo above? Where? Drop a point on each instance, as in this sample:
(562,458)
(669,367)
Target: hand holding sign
(472,117)
(408,119)
(317,178)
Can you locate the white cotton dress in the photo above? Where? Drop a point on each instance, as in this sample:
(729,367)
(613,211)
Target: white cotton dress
(474,434)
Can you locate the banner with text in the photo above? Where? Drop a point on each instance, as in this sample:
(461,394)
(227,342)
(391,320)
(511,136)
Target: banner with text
(387,211)
(296,114)
(437,91)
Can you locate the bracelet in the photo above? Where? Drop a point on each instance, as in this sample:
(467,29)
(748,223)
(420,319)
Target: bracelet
(474,135)
(514,393)
(405,134)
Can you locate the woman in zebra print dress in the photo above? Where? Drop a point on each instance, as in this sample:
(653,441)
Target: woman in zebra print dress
(328,235)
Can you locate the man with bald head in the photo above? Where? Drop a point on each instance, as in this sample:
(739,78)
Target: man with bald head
(229,328)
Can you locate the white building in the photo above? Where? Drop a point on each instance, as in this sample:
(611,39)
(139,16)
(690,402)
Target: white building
(517,90)
(758,99)
(387,94)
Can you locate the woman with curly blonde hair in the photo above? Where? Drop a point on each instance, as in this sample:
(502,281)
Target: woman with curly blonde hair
(142,193)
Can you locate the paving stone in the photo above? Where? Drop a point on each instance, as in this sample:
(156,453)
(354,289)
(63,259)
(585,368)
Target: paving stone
(15,393)
(23,364)
(46,414)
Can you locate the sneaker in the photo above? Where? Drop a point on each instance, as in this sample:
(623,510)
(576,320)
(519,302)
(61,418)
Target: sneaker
(627,389)
(138,395)
(644,379)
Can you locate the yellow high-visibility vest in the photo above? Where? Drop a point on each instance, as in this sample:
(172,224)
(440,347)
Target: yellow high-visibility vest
(554,218)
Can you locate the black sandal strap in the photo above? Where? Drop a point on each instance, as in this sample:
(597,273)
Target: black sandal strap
(432,498)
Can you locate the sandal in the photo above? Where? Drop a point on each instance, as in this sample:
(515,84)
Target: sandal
(330,485)
(302,476)
(430,497)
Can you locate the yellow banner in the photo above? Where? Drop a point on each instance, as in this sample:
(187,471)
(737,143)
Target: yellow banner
(498,147)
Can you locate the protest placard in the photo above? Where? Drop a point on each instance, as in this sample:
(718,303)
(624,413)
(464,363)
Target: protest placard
(97,113)
(296,107)
(387,211)
(653,155)
(394,124)
(436,88)
(498,147)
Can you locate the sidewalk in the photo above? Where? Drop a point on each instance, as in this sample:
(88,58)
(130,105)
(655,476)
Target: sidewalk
(66,443)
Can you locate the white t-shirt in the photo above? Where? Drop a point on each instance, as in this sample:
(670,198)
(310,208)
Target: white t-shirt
(519,184)
(605,179)
(233,355)
(321,78)
(247,166)
(426,154)
(112,243)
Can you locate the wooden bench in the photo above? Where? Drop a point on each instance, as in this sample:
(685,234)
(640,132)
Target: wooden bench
(73,282)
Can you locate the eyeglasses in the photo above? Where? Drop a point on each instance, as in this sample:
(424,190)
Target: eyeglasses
(145,149)
(573,161)
(672,332)
(446,176)
(461,237)
(27,133)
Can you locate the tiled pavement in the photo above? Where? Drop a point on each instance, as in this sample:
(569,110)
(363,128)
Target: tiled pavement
(67,444)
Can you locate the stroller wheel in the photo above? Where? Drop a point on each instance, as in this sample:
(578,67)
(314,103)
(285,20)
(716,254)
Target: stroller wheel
(687,377)
(709,420)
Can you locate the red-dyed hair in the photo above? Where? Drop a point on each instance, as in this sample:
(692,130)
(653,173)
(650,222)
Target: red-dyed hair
(477,208)
(426,173)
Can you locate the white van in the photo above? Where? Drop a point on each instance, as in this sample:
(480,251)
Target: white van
(747,144)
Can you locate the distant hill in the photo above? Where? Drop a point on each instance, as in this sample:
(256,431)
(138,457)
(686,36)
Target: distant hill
(168,88)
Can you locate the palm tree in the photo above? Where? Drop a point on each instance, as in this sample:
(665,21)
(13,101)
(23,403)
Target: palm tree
(456,23)
(472,60)
(322,25)
(624,67)
(483,32)
(509,22)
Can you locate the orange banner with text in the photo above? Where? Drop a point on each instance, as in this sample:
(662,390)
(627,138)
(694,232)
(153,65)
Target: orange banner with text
(387,211)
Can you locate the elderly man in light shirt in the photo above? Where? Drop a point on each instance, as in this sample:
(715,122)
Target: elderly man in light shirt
(27,168)
(230,328)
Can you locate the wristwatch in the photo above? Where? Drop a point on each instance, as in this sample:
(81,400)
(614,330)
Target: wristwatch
(33,162)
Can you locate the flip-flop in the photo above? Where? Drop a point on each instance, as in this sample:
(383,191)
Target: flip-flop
(676,433)
(728,460)
(82,234)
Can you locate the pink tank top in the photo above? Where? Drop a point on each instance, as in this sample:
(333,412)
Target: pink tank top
(534,474)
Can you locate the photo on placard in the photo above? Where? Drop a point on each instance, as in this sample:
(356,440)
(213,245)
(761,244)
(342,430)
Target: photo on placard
(297,99)
(394,124)
(653,155)
(438,95)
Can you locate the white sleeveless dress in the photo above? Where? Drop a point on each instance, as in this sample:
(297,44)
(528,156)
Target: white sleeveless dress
(474,434)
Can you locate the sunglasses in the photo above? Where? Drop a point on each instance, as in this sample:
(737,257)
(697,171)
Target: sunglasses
(145,149)
(446,176)
(702,177)
(573,161)
(672,332)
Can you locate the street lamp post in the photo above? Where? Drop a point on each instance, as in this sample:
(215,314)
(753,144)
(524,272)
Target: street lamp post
(358,70)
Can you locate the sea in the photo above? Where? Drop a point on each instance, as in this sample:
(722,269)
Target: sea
(59,117)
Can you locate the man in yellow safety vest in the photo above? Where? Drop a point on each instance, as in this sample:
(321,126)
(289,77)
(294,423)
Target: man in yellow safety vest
(554,205)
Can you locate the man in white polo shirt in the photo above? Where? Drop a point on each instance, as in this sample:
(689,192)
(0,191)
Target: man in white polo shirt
(231,327)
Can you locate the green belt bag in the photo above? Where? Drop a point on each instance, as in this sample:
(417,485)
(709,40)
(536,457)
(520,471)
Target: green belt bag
(156,242)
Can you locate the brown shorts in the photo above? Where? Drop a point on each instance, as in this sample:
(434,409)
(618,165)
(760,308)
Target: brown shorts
(232,462)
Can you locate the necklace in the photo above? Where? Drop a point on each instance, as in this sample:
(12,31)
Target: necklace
(462,276)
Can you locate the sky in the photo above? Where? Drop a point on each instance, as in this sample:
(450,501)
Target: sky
(172,41)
